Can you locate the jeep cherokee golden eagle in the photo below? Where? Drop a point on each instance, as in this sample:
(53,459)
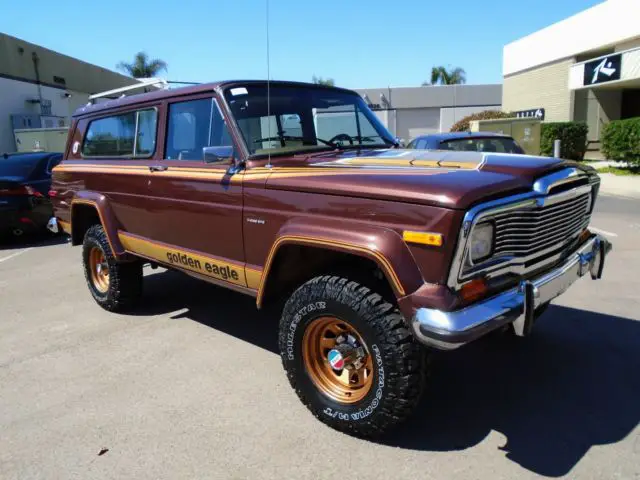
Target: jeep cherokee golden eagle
(297,195)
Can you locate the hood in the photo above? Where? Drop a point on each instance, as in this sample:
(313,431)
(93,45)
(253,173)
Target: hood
(440,178)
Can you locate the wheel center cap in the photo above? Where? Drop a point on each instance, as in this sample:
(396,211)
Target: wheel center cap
(336,360)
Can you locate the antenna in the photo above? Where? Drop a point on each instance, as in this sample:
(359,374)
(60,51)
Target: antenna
(268,90)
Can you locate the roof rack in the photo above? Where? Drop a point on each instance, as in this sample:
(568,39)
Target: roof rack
(159,83)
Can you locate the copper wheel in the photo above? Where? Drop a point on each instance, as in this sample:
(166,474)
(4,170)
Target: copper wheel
(350,377)
(99,269)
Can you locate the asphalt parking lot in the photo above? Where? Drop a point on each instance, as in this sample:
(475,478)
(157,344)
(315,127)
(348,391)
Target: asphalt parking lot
(191,386)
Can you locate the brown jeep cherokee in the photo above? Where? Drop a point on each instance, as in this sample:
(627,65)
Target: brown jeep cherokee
(296,195)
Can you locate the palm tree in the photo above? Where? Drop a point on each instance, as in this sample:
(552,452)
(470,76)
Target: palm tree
(323,81)
(142,67)
(440,75)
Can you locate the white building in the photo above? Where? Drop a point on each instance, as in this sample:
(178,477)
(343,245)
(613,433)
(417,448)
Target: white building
(40,88)
(411,111)
(584,68)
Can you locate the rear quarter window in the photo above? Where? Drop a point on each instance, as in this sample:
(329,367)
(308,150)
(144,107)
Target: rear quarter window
(130,134)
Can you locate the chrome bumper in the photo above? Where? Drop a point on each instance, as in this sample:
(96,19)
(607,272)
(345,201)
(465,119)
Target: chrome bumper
(52,225)
(449,330)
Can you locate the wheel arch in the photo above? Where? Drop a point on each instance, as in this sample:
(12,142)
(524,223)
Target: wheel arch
(89,208)
(367,246)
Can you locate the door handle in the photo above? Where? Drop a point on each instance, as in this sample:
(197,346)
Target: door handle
(158,168)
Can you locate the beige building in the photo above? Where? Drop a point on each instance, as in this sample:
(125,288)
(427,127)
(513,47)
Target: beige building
(40,88)
(584,68)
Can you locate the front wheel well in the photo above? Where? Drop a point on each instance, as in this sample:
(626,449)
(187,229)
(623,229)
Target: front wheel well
(82,219)
(293,265)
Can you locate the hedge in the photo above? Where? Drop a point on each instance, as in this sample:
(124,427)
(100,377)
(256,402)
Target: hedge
(462,125)
(572,136)
(620,140)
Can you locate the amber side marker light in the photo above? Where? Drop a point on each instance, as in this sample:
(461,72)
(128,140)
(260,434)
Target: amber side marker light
(473,290)
(424,238)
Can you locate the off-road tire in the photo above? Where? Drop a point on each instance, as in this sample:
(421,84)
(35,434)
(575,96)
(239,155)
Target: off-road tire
(401,364)
(125,278)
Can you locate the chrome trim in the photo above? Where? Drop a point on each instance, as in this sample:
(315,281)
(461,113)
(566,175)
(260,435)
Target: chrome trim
(449,330)
(530,200)
(52,225)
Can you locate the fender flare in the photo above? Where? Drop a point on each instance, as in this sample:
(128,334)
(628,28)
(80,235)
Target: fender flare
(380,244)
(108,220)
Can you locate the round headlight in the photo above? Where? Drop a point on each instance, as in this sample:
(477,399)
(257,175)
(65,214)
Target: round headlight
(481,242)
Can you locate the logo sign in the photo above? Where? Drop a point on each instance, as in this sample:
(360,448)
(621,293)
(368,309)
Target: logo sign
(335,359)
(537,113)
(602,70)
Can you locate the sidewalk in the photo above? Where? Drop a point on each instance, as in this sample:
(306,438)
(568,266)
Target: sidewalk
(617,185)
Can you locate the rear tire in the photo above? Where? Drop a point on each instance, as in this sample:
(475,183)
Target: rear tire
(115,286)
(365,327)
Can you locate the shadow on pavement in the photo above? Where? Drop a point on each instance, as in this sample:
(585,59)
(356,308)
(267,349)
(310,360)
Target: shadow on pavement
(573,385)
(31,241)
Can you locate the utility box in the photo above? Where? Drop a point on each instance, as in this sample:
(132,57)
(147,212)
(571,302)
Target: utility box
(41,139)
(525,131)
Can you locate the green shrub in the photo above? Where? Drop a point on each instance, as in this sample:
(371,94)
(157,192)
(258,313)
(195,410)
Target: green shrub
(572,136)
(620,140)
(462,125)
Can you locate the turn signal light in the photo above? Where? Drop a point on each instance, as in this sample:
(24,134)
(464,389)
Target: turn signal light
(424,238)
(473,290)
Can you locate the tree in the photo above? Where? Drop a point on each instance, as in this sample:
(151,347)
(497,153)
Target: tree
(440,75)
(323,81)
(142,67)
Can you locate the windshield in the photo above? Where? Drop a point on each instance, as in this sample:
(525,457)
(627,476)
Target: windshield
(488,144)
(303,118)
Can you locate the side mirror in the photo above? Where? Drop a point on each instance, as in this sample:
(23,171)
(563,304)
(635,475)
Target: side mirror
(220,154)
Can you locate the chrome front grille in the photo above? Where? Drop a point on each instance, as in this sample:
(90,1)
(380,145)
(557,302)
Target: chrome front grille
(525,232)
(533,230)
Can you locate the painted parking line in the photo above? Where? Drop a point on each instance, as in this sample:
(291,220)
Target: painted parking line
(603,232)
(13,255)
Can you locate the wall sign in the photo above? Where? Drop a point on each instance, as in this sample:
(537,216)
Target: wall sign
(537,113)
(602,70)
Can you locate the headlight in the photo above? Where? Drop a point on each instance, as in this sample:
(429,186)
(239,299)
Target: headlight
(481,242)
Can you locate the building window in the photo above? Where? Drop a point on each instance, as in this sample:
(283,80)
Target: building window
(131,134)
(59,80)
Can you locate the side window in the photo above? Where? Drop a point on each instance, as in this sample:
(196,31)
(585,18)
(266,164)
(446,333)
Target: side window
(192,126)
(131,134)
(421,144)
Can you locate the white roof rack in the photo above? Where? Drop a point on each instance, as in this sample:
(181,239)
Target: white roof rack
(159,83)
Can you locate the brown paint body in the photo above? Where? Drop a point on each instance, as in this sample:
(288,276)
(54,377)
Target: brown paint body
(357,202)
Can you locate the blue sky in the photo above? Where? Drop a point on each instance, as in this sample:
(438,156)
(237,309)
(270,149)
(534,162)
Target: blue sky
(358,43)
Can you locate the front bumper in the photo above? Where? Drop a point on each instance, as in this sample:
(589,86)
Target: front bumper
(449,330)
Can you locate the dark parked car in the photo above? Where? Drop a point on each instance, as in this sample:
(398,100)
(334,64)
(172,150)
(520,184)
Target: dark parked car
(467,141)
(25,179)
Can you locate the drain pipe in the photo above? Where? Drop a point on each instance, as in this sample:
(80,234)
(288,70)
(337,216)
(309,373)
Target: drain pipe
(36,61)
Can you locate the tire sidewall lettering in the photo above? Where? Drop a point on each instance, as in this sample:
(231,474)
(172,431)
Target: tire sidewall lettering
(293,327)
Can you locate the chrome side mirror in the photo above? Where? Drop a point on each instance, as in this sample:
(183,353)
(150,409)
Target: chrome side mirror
(221,154)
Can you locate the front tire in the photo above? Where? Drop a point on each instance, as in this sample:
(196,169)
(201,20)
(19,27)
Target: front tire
(115,286)
(350,356)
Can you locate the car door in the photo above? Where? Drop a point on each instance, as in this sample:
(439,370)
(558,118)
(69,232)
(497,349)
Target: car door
(196,202)
(117,150)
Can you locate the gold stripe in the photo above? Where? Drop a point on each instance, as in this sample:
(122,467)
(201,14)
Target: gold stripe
(65,226)
(184,259)
(323,242)
(176,172)
(253,277)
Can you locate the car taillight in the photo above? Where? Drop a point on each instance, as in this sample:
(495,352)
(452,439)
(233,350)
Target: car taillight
(53,193)
(21,190)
